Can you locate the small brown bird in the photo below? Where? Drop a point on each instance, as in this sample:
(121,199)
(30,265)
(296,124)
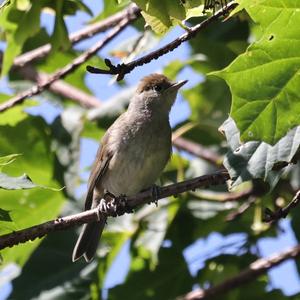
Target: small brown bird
(133,153)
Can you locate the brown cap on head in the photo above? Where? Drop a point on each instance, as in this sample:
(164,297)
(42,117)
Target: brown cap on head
(154,81)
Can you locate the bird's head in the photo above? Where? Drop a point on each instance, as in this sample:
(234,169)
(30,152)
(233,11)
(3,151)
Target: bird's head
(156,91)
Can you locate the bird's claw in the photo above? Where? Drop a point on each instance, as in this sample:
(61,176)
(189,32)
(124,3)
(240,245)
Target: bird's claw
(122,206)
(112,205)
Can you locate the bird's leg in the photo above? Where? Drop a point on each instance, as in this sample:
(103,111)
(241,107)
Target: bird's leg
(155,190)
(109,194)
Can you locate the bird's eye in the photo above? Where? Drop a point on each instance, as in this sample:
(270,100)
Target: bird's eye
(158,88)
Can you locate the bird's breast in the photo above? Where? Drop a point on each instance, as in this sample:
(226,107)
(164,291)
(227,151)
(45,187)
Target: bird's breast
(139,158)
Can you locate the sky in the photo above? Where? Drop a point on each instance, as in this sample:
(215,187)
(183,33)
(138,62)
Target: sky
(284,276)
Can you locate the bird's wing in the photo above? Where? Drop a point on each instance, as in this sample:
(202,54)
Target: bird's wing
(98,170)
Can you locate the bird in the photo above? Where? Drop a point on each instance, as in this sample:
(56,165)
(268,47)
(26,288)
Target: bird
(132,154)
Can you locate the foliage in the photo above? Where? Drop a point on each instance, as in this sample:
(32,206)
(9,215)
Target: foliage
(246,65)
(271,65)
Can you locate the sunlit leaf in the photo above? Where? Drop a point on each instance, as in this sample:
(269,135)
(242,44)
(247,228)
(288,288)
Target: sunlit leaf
(19,25)
(161,15)
(32,206)
(264,80)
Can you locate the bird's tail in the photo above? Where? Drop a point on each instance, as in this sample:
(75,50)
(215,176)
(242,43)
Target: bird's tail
(88,240)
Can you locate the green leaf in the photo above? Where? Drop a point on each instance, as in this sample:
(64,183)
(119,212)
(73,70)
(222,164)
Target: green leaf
(265,80)
(258,159)
(161,15)
(60,36)
(31,137)
(217,46)
(15,114)
(20,183)
(110,8)
(135,46)
(209,102)
(4,215)
(77,5)
(16,183)
(8,159)
(148,241)
(69,7)
(19,26)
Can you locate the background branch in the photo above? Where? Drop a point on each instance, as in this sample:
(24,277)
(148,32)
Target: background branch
(36,89)
(29,234)
(256,269)
(198,150)
(60,87)
(130,12)
(241,210)
(122,69)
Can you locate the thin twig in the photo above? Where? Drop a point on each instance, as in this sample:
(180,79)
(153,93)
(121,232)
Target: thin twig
(38,231)
(241,210)
(281,213)
(256,269)
(122,69)
(87,32)
(36,89)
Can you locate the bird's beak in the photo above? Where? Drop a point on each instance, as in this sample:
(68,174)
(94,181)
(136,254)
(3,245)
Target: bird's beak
(177,85)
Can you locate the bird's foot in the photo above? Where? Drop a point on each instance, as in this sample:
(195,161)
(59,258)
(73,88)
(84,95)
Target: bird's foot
(114,206)
(107,205)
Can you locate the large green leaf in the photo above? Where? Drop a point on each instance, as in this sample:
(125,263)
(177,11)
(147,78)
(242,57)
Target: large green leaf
(265,80)
(31,138)
(15,114)
(258,159)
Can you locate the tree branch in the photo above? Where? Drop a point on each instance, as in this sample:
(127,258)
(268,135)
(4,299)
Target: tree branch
(281,213)
(87,32)
(122,69)
(60,87)
(36,89)
(119,207)
(256,269)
